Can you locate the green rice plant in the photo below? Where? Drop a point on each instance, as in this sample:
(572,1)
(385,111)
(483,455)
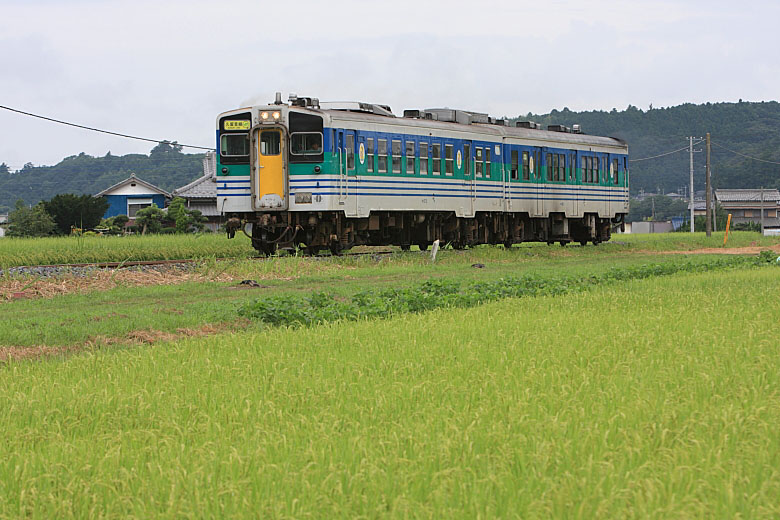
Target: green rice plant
(610,403)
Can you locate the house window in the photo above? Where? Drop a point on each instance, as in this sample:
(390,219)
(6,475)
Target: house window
(748,213)
(370,155)
(133,205)
(410,157)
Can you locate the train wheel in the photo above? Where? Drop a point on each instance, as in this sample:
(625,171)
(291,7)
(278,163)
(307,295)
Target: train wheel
(405,247)
(423,246)
(583,243)
(335,248)
(507,244)
(562,243)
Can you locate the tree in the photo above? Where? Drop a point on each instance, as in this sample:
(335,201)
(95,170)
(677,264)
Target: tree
(4,168)
(185,218)
(150,219)
(165,148)
(81,211)
(29,222)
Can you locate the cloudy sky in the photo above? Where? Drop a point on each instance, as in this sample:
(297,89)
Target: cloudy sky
(165,69)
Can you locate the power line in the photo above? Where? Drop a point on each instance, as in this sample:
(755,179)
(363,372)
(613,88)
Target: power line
(104,131)
(742,154)
(663,154)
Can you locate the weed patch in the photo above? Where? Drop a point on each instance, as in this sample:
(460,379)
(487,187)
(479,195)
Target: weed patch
(322,307)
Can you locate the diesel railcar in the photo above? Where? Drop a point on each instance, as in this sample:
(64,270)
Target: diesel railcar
(335,175)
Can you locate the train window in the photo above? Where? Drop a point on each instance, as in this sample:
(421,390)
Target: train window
(467,159)
(514,164)
(234,145)
(550,166)
(449,169)
(572,166)
(382,155)
(410,157)
(615,173)
(270,142)
(436,156)
(478,161)
(370,155)
(423,158)
(350,152)
(396,156)
(488,170)
(562,167)
(306,143)
(538,165)
(596,170)
(526,166)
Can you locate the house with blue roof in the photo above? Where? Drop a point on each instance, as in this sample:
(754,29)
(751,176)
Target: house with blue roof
(132,194)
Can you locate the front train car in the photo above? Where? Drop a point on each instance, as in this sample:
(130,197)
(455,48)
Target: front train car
(258,149)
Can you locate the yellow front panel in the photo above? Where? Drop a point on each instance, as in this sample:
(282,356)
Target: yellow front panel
(271,161)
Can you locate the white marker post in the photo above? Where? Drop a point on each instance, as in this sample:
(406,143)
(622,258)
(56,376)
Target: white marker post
(434,250)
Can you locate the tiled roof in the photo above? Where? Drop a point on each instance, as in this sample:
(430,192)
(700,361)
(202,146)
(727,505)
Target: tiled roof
(202,188)
(135,179)
(747,195)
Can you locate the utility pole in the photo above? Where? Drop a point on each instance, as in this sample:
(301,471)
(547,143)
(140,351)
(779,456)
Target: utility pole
(708,188)
(690,149)
(762,211)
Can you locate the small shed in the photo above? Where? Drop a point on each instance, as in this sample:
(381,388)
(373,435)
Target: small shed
(130,195)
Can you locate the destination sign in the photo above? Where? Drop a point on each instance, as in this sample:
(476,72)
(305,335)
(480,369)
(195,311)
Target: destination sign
(236,125)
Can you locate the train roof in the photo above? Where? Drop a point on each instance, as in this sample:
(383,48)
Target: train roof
(487,129)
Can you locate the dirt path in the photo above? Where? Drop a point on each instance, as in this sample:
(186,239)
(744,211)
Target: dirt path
(752,250)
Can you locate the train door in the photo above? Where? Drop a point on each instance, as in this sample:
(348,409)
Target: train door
(577,209)
(538,205)
(342,167)
(469,179)
(351,199)
(269,170)
(506,175)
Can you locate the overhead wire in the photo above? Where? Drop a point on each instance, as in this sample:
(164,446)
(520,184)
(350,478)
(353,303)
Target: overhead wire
(127,136)
(665,154)
(742,154)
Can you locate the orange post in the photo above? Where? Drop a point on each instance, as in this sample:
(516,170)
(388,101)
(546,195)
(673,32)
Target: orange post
(728,225)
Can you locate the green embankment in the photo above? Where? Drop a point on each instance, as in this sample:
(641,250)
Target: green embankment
(651,398)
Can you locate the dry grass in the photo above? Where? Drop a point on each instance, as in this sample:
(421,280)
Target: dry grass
(134,338)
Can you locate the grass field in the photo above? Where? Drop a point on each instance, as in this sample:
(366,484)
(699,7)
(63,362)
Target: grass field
(654,398)
(64,250)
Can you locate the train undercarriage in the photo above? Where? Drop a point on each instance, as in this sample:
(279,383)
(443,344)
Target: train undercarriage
(314,232)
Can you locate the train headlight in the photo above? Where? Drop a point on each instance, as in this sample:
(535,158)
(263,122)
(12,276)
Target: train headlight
(264,115)
(277,115)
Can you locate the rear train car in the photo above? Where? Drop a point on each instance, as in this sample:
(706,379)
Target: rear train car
(335,175)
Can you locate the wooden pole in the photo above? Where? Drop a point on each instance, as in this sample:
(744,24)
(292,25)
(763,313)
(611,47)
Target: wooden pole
(728,226)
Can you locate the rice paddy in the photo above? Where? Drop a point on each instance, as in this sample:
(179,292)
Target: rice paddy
(654,397)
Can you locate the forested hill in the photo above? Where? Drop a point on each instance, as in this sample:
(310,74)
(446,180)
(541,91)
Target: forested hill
(751,129)
(165,167)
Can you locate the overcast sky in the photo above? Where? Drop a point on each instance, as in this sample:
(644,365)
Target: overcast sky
(165,69)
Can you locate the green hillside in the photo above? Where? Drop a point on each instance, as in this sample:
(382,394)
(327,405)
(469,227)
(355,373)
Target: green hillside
(751,129)
(165,167)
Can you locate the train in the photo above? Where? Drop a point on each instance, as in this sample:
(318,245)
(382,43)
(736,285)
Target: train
(315,176)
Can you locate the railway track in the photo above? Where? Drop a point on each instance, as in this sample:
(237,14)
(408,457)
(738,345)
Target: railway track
(42,268)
